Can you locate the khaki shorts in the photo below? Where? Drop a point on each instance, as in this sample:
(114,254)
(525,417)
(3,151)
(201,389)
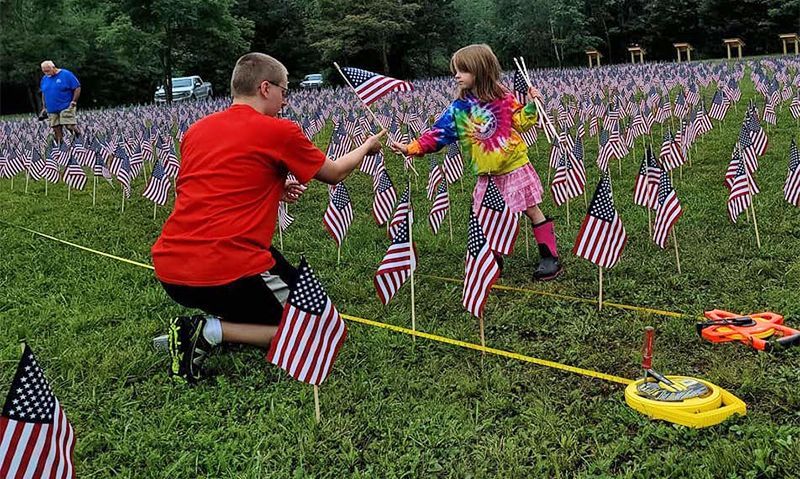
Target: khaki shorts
(64,117)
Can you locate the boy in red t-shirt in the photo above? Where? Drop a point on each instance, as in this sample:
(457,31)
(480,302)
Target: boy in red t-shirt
(215,251)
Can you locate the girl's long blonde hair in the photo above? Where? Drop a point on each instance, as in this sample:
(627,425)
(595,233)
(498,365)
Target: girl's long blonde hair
(480,61)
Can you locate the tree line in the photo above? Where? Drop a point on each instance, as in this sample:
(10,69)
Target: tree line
(122,50)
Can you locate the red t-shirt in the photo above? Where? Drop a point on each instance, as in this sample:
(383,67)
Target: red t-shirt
(233,169)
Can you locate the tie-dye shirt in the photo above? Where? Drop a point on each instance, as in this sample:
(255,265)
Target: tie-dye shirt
(488,133)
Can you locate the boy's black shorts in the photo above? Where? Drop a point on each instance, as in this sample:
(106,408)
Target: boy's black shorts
(255,299)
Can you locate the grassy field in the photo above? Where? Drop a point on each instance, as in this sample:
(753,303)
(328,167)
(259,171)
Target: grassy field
(392,408)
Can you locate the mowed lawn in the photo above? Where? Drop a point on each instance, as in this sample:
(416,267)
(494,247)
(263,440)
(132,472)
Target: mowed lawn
(397,408)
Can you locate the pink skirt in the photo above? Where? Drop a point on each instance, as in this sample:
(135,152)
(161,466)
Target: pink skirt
(520,188)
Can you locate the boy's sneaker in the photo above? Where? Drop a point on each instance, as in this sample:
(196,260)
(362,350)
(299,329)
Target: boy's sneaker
(187,347)
(161,343)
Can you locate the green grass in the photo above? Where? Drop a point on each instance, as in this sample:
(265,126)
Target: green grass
(395,409)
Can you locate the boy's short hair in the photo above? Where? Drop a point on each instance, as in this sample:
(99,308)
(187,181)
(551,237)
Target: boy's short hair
(253,68)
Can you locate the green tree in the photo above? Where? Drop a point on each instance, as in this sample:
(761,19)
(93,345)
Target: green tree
(201,34)
(342,30)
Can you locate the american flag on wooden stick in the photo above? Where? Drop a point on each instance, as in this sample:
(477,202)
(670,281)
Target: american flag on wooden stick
(74,175)
(671,155)
(311,331)
(791,188)
(668,210)
(339,214)
(385,195)
(480,269)
(453,163)
(402,213)
(567,183)
(646,189)
(602,236)
(158,187)
(372,86)
(435,176)
(441,203)
(740,196)
(36,439)
(284,218)
(499,224)
(398,263)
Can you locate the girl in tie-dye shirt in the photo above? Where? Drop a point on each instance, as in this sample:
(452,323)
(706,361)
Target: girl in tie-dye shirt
(486,121)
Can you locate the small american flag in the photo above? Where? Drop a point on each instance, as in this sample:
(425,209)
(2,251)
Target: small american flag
(385,196)
(159,185)
(499,224)
(311,331)
(285,220)
(36,439)
(372,86)
(671,155)
(370,163)
(339,214)
(402,213)
(757,134)
(480,269)
(606,151)
(733,167)
(398,263)
(719,106)
(567,183)
(435,176)
(453,163)
(748,151)
(74,175)
(441,203)
(50,170)
(646,188)
(602,236)
(668,210)
(740,195)
(791,188)
(794,107)
(121,167)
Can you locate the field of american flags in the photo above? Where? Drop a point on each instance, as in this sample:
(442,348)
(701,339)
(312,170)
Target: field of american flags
(392,407)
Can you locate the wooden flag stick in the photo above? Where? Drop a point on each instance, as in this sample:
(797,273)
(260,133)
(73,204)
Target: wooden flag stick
(600,293)
(45,186)
(12,183)
(155,205)
(122,210)
(316,404)
(69,192)
(27,177)
(527,246)
(413,296)
(94,190)
(280,236)
(567,213)
(338,254)
(483,338)
(755,222)
(450,221)
(649,222)
(677,256)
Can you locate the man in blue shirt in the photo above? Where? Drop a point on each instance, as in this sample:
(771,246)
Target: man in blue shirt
(60,93)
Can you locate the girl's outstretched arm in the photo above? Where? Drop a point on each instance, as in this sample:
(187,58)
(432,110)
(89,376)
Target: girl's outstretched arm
(440,135)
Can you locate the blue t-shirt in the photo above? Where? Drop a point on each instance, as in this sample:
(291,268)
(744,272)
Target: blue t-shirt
(58,89)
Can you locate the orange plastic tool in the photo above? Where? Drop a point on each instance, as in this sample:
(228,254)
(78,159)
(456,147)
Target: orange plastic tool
(753,330)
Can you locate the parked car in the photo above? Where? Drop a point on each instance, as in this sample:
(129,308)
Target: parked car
(185,88)
(313,80)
